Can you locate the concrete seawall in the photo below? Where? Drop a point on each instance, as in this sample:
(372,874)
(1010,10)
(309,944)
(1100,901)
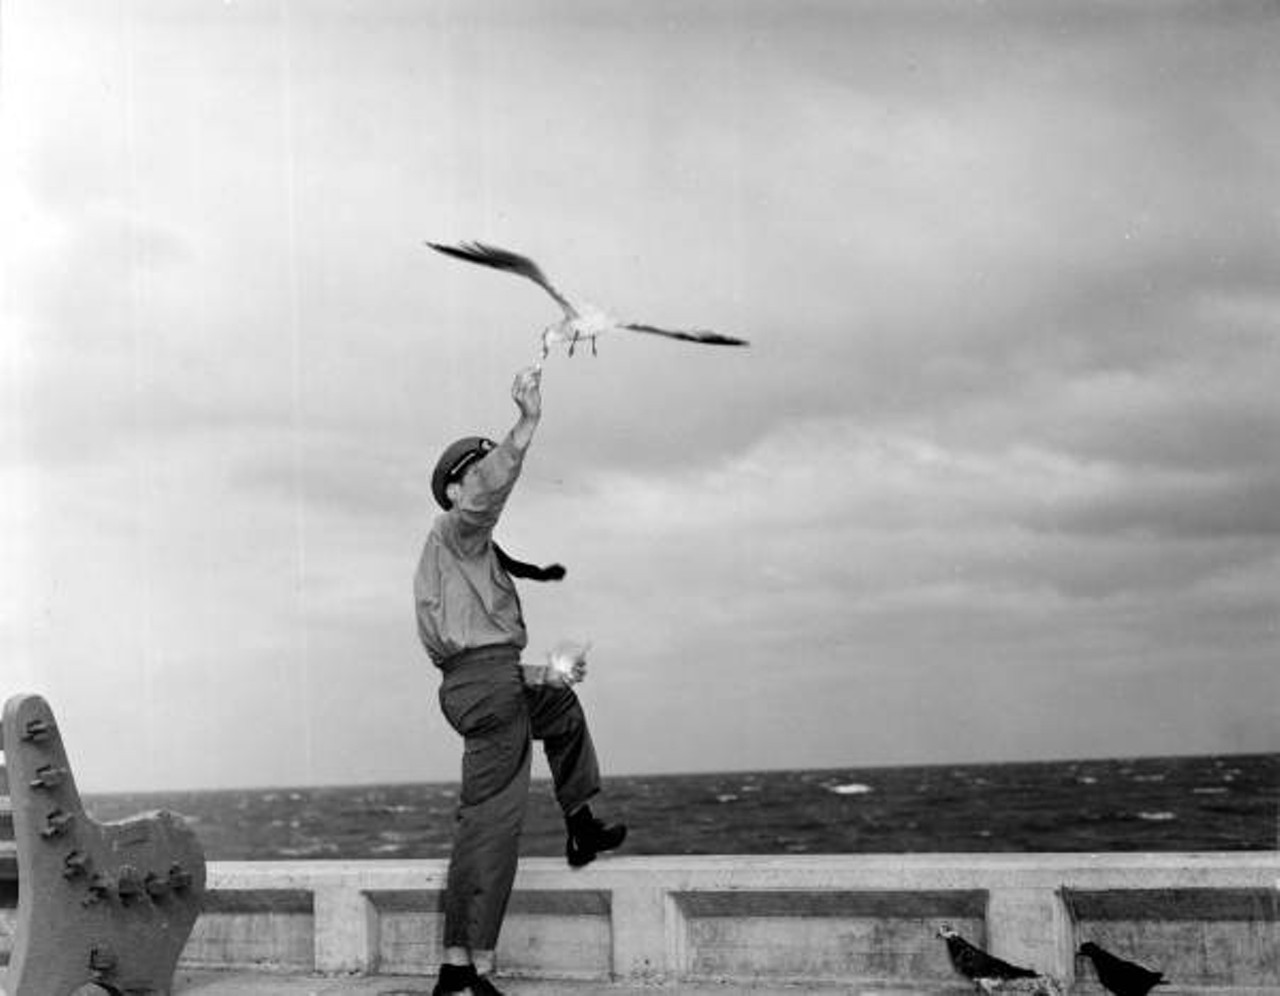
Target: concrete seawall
(1210,921)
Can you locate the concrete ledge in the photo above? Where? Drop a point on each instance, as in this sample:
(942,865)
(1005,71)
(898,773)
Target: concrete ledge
(1245,905)
(207,982)
(825,935)
(1208,937)
(1208,920)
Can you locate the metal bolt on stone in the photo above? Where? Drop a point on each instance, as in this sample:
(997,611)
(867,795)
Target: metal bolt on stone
(102,959)
(179,877)
(100,887)
(38,730)
(48,777)
(129,885)
(157,887)
(75,864)
(56,824)
(88,910)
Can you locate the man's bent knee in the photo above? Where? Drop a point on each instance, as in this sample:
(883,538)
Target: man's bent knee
(555,711)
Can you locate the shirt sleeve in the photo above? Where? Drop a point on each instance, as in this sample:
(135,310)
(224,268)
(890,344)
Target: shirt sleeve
(484,495)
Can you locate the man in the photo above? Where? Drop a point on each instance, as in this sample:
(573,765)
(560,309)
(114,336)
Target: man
(470,622)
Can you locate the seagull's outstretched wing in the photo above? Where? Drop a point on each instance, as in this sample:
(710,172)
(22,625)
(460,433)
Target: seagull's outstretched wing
(502,259)
(689,335)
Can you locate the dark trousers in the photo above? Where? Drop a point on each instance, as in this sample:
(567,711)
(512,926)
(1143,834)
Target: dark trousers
(484,698)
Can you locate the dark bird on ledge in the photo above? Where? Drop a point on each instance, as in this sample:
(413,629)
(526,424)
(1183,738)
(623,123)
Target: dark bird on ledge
(974,963)
(1124,978)
(581,321)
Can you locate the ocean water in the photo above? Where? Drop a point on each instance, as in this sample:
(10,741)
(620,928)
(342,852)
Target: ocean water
(1142,804)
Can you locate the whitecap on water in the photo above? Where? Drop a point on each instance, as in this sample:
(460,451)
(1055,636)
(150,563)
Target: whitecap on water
(852,788)
(1158,817)
(308,850)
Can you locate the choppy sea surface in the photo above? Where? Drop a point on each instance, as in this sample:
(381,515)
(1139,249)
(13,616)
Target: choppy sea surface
(1220,803)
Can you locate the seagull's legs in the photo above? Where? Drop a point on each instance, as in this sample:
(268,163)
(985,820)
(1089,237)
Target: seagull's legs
(574,341)
(593,346)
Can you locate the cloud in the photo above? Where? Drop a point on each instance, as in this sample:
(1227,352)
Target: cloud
(830,505)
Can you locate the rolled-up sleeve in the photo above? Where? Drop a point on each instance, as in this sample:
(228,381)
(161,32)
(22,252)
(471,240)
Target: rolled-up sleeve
(484,495)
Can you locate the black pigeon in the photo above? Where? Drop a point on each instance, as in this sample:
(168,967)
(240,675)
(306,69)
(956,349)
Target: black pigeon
(974,963)
(1124,978)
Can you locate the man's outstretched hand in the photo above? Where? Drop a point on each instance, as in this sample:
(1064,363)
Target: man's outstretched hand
(527,392)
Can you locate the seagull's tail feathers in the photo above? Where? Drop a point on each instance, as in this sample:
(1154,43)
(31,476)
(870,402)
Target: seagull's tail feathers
(689,335)
(504,259)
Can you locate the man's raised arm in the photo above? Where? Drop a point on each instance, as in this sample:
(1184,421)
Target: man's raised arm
(526,391)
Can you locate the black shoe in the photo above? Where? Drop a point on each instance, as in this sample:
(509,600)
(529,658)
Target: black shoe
(483,987)
(589,836)
(457,979)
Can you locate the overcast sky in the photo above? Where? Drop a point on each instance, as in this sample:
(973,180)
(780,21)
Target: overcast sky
(998,479)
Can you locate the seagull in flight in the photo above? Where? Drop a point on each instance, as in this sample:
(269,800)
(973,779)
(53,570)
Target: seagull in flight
(581,321)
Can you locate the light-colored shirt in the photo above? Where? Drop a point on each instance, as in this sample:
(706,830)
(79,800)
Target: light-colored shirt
(464,597)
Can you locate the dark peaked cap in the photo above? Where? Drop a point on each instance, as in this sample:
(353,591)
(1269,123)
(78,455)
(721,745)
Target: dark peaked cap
(456,458)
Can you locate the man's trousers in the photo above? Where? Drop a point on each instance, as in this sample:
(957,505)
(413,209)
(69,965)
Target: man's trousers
(484,698)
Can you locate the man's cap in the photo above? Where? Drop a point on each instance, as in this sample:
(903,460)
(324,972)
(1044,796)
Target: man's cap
(453,463)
